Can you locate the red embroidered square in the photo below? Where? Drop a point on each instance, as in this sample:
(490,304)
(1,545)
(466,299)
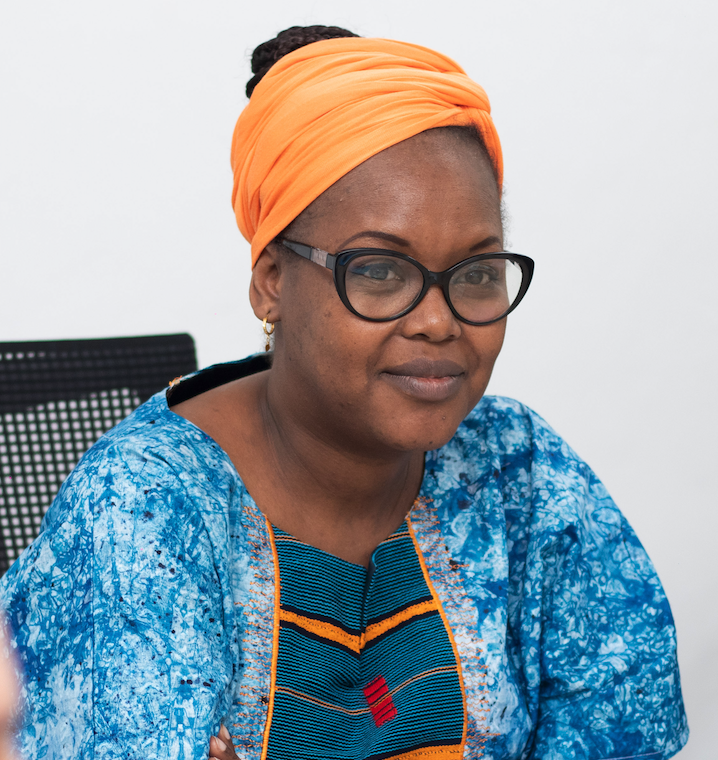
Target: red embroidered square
(379,701)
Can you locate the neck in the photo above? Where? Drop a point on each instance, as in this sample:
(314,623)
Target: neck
(327,489)
(339,494)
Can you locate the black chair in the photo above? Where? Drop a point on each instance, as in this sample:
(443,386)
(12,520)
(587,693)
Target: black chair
(56,399)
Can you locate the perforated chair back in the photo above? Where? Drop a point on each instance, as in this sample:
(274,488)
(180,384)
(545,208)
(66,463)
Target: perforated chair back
(56,399)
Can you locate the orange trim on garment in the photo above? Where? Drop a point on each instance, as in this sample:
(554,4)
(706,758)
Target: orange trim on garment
(451,639)
(321,703)
(379,629)
(323,629)
(421,677)
(275,639)
(454,752)
(356,643)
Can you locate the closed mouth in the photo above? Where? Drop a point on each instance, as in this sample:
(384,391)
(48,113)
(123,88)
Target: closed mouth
(427,368)
(426,380)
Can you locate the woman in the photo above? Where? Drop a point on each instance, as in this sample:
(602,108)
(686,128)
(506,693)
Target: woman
(339,549)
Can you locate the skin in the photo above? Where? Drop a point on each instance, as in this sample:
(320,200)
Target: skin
(9,695)
(330,442)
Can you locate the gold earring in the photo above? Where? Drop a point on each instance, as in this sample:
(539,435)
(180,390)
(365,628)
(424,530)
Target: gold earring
(267,331)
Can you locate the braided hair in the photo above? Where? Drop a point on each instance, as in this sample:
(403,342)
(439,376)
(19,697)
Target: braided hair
(268,53)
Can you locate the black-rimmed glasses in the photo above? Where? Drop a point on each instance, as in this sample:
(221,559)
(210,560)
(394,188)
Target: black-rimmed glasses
(381,285)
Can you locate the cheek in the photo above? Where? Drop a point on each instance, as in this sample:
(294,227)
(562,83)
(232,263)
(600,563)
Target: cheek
(485,345)
(305,305)
(320,335)
(493,339)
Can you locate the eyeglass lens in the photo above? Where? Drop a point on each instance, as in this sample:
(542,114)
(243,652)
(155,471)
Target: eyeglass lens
(382,287)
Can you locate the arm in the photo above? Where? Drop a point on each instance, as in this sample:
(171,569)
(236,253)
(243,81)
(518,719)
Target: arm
(118,614)
(610,685)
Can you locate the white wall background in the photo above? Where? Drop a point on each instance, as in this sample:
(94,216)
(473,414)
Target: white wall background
(115,219)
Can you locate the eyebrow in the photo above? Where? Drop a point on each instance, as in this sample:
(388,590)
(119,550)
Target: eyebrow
(396,240)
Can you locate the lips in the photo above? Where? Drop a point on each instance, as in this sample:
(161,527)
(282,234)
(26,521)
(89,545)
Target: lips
(426,380)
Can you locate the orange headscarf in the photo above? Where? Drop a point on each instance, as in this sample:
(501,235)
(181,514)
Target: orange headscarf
(327,107)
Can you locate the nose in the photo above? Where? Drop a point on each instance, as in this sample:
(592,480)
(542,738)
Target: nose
(431,319)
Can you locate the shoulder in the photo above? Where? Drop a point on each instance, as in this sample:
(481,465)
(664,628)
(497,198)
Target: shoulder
(150,452)
(501,433)
(154,432)
(540,478)
(511,427)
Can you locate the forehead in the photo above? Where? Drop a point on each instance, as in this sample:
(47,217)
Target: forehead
(434,187)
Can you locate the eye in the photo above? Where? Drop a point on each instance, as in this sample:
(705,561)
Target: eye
(478,275)
(381,270)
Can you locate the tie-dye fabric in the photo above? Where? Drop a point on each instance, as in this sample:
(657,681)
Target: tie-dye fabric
(144,612)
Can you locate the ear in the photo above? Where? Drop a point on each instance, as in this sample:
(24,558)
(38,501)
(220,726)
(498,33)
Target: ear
(265,287)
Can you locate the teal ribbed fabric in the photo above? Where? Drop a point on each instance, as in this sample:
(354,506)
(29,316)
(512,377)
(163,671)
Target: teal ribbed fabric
(365,668)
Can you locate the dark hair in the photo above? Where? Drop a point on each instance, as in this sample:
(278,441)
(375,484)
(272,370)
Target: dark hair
(268,53)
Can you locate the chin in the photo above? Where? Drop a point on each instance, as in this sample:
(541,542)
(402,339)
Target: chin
(424,435)
(425,443)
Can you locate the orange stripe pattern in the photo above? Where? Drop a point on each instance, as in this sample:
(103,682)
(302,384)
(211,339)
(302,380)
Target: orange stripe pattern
(334,633)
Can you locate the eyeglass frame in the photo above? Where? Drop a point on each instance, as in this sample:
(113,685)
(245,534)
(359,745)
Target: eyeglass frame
(338,262)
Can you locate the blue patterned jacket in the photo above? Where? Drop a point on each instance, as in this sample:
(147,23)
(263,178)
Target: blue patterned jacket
(144,611)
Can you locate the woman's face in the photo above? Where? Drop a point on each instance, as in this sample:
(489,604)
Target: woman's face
(407,384)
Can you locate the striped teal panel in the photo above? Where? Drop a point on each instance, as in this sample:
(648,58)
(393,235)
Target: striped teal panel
(365,669)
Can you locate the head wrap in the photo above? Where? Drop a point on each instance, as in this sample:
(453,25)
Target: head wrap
(325,108)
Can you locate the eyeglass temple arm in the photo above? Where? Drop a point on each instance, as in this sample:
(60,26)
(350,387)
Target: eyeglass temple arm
(316,255)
